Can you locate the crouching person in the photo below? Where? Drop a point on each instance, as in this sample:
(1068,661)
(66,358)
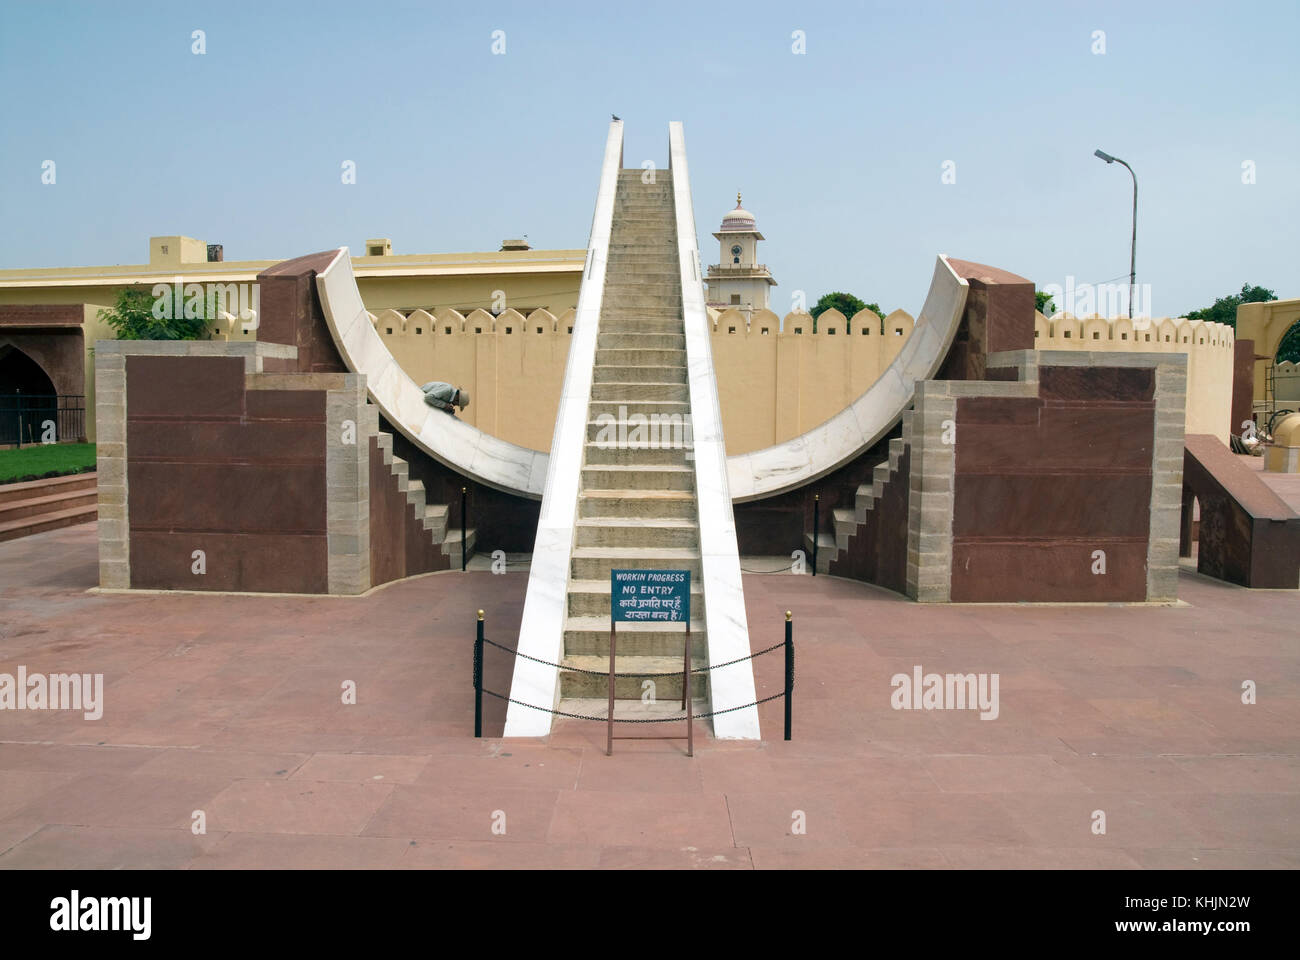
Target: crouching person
(445,397)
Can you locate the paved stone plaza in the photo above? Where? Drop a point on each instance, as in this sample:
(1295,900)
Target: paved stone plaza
(231,705)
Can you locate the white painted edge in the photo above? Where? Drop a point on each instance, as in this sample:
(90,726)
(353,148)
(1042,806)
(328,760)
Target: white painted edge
(724,595)
(541,631)
(480,456)
(863,423)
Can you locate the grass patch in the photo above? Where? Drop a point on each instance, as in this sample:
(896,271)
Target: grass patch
(43,460)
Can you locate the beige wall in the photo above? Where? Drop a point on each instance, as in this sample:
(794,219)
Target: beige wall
(525,279)
(1209,348)
(773,384)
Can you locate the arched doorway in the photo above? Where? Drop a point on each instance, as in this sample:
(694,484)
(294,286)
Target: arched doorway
(1284,372)
(27,397)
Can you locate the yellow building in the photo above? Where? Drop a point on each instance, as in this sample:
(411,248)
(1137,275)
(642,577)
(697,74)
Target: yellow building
(49,317)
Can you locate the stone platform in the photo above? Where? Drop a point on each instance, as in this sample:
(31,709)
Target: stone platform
(231,705)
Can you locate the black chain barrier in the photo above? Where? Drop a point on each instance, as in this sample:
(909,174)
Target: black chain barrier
(605,673)
(480,641)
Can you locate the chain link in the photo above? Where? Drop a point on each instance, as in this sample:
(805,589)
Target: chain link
(605,673)
(605,719)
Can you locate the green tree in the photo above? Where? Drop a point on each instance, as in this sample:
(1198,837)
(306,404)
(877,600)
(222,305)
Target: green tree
(845,303)
(1289,347)
(1224,309)
(133,317)
(1043,303)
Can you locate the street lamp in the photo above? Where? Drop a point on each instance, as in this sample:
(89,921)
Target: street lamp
(1132,261)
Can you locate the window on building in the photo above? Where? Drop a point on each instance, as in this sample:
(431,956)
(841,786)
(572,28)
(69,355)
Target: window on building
(735,299)
(419,330)
(389,331)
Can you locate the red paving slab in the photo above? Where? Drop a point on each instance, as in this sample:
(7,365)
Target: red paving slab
(232,705)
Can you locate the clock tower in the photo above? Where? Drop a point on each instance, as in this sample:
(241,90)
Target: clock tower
(738,280)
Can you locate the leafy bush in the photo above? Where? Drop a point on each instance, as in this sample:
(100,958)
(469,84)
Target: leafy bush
(132,317)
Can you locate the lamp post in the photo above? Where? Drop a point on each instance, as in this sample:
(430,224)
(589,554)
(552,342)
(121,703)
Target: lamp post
(1132,260)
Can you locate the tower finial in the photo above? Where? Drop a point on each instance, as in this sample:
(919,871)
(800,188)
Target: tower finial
(737,199)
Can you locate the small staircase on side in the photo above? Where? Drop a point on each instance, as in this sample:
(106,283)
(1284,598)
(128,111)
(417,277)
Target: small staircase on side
(848,521)
(35,506)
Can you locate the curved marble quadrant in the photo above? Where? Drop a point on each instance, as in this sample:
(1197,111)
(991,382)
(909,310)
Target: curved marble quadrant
(449,440)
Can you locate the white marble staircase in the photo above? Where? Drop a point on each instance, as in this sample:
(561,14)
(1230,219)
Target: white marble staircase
(636,502)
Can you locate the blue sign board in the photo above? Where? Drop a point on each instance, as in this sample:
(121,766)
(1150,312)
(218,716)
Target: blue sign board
(655,595)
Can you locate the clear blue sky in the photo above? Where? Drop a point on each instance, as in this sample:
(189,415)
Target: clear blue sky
(839,151)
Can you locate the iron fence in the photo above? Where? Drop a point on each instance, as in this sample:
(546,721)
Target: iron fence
(27,418)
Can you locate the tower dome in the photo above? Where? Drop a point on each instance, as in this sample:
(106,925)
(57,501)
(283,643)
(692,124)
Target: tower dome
(739,218)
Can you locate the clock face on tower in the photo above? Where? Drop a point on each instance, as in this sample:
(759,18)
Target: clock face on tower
(735,250)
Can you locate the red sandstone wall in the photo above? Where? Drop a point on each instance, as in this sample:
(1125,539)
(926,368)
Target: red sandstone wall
(238,474)
(1042,483)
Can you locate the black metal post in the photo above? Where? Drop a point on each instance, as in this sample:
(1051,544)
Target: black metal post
(816,527)
(789,669)
(478,679)
(464,531)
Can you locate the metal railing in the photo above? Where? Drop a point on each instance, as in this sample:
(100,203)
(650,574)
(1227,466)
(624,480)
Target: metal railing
(28,418)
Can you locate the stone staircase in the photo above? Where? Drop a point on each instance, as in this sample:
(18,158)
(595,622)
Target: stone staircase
(35,506)
(433,517)
(636,502)
(849,521)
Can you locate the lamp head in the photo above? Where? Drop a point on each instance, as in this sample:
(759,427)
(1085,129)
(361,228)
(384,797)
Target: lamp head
(1103,155)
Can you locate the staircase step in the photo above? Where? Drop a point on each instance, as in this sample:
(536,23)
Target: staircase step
(593,632)
(679,504)
(674,448)
(826,550)
(631,710)
(630,392)
(602,373)
(636,340)
(40,523)
(595,563)
(636,532)
(638,477)
(451,546)
(435,521)
(47,487)
(573,684)
(653,428)
(622,409)
(640,356)
(34,506)
(643,322)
